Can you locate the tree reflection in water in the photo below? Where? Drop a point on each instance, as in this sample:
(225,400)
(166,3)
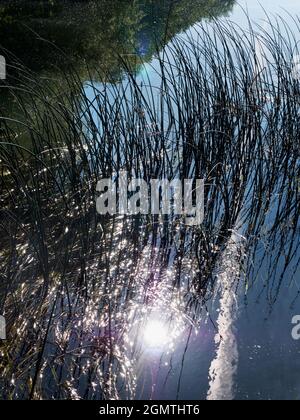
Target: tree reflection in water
(95,32)
(89,299)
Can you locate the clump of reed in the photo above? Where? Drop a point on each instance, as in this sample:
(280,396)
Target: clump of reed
(217,103)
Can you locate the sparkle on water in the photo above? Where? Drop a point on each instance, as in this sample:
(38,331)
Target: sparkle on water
(156,334)
(90,297)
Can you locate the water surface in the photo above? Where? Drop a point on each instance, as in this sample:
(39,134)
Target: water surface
(128,311)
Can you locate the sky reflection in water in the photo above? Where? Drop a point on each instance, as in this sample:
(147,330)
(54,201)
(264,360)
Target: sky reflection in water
(137,324)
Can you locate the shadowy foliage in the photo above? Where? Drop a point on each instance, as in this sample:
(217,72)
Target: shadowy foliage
(77,287)
(92,31)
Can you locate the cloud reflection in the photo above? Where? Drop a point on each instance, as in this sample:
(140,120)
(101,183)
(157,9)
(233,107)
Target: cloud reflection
(224,367)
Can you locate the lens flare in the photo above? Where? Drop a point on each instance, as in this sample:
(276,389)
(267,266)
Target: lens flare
(156,334)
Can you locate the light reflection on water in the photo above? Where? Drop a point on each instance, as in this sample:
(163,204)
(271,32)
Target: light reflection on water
(223,368)
(128,320)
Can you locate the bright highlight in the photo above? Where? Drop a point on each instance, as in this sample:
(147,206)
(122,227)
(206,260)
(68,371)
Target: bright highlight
(156,334)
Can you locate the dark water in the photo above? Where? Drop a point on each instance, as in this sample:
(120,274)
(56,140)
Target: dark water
(94,31)
(129,312)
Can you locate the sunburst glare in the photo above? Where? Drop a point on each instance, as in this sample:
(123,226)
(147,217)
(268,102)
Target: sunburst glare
(156,334)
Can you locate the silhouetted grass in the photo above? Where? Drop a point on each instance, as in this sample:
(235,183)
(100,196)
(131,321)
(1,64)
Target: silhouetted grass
(224,107)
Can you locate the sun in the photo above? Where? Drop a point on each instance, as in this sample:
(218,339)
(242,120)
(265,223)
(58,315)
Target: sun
(156,334)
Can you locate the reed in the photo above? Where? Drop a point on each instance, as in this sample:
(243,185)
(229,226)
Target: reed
(224,107)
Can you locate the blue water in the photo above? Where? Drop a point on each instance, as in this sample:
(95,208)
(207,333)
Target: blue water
(260,359)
